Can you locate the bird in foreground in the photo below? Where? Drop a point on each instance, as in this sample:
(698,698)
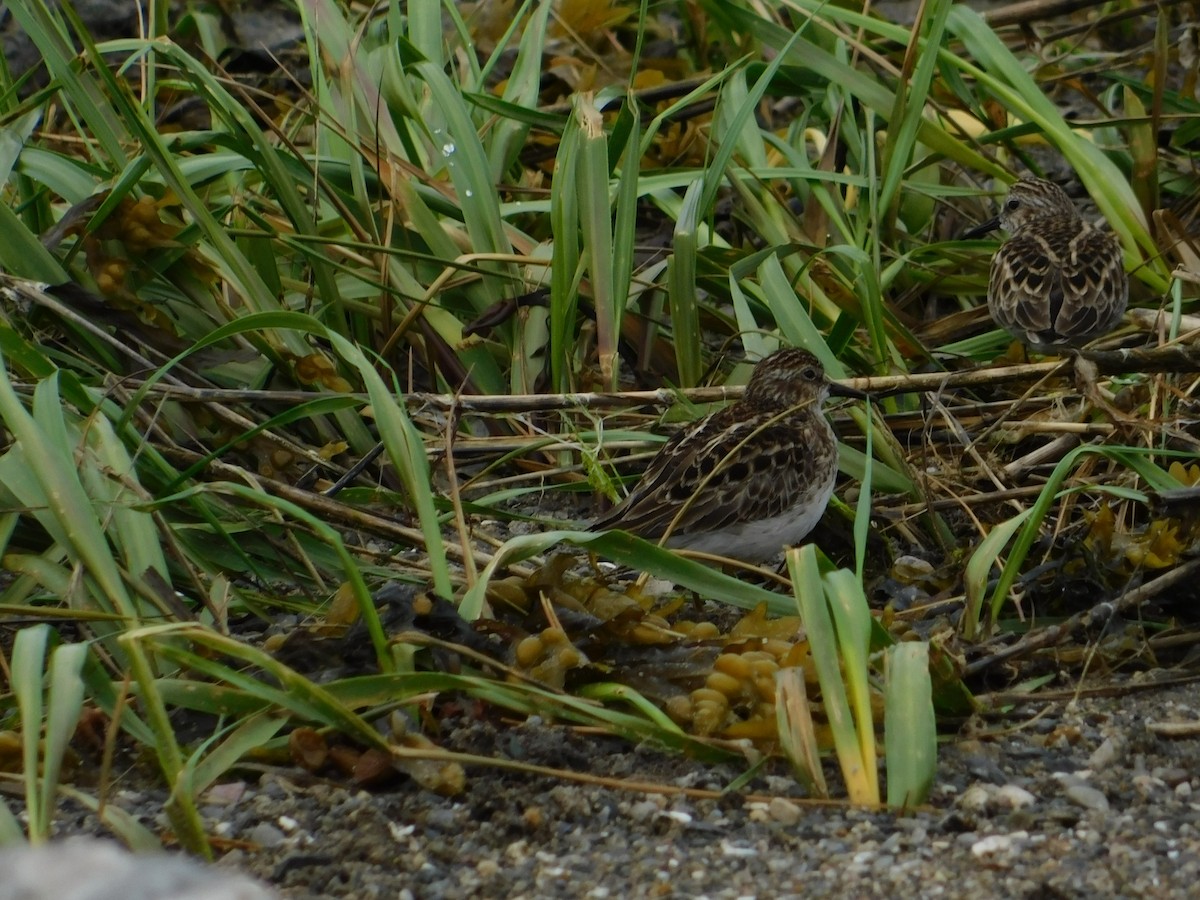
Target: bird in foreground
(748,480)
(1058,281)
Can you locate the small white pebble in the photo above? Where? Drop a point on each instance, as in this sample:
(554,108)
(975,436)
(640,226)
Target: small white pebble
(784,811)
(1014,797)
(1087,797)
(643,810)
(657,587)
(909,569)
(1147,784)
(225,794)
(1103,756)
(975,798)
(737,850)
(400,832)
(487,868)
(996,844)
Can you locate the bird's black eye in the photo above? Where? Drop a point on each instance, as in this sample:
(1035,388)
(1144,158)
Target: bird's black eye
(1012,203)
(810,373)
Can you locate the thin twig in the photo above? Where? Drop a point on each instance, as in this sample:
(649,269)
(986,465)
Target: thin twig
(1057,634)
(1036,10)
(1108,362)
(1000,700)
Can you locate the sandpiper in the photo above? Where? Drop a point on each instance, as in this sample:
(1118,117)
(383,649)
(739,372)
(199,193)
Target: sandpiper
(748,480)
(1058,281)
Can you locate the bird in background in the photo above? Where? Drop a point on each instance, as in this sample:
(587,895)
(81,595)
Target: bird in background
(1058,281)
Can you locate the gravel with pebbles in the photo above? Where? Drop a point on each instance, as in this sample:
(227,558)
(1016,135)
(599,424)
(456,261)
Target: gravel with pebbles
(1083,800)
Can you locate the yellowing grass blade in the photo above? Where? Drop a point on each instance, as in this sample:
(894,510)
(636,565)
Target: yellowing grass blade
(797,736)
(828,651)
(852,619)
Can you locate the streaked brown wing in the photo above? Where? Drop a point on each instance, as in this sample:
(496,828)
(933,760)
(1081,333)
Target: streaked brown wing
(1024,281)
(650,506)
(779,475)
(723,474)
(1095,286)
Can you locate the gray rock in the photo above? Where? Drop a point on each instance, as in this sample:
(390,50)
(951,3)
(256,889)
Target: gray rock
(87,869)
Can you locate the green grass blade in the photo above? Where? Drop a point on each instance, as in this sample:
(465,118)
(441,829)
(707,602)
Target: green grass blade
(909,725)
(979,567)
(595,219)
(10,828)
(44,444)
(520,90)
(1041,508)
(908,112)
(298,695)
(862,512)
(64,703)
(407,453)
(565,269)
(112,480)
(249,735)
(681,279)
(454,141)
(28,661)
(625,218)
(22,254)
(181,805)
(137,837)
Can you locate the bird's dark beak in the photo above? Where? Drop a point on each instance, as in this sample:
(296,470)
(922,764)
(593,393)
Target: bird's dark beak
(841,390)
(982,229)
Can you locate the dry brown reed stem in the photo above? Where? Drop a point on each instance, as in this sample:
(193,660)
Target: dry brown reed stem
(1172,358)
(1036,10)
(899,505)
(995,704)
(437,754)
(1108,362)
(460,517)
